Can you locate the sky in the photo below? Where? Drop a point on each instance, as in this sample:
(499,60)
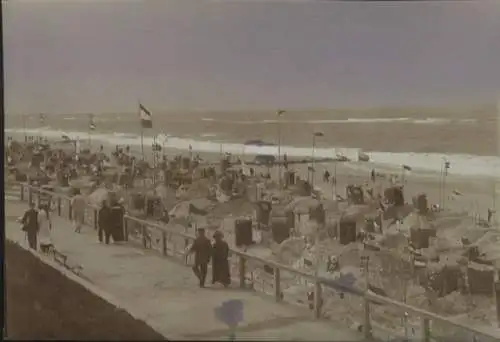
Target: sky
(105,56)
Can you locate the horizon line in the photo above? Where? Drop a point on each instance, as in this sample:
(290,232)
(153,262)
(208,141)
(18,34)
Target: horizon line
(479,106)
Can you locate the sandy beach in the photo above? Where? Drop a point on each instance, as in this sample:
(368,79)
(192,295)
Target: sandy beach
(445,136)
(469,195)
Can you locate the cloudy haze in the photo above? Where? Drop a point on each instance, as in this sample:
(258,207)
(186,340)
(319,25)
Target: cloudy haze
(103,56)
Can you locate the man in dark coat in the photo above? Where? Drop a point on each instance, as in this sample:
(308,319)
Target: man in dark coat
(202,249)
(103,221)
(30,225)
(220,261)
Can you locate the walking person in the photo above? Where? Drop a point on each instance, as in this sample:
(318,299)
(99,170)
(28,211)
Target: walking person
(44,228)
(103,221)
(30,225)
(78,204)
(116,214)
(202,249)
(220,260)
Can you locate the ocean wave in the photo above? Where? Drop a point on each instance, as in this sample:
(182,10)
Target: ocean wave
(126,135)
(461,164)
(424,121)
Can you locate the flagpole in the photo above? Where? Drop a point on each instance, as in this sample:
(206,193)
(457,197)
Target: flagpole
(24,129)
(42,122)
(142,129)
(90,133)
(154,158)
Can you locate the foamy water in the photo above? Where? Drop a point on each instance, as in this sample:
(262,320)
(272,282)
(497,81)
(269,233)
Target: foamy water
(461,164)
(425,121)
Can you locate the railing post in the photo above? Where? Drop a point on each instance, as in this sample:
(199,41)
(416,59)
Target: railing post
(426,329)
(186,245)
(277,284)
(125,228)
(164,243)
(96,224)
(367,328)
(143,228)
(242,271)
(496,292)
(30,195)
(59,206)
(22,192)
(70,210)
(318,299)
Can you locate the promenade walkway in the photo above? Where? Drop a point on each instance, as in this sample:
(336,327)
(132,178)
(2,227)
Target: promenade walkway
(164,293)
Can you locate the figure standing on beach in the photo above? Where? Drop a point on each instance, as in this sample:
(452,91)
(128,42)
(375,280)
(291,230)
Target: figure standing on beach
(78,206)
(220,260)
(326,176)
(490,214)
(202,249)
(44,228)
(30,225)
(372,175)
(103,220)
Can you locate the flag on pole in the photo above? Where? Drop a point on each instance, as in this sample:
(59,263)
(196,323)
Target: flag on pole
(446,167)
(406,167)
(42,119)
(92,125)
(145,116)
(318,134)
(280,112)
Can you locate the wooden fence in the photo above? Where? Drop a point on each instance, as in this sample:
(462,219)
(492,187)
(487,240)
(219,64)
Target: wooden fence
(173,243)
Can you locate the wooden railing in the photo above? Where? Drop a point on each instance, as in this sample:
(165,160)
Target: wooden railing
(172,243)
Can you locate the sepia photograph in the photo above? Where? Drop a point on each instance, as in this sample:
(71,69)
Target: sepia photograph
(251,170)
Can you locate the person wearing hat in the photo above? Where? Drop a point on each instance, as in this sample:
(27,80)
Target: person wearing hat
(116,214)
(220,260)
(30,225)
(202,249)
(44,228)
(103,220)
(78,204)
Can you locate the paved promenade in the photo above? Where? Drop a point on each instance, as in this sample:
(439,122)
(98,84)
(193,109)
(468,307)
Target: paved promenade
(164,293)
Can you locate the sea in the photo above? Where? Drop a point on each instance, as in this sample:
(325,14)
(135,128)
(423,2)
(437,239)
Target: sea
(422,141)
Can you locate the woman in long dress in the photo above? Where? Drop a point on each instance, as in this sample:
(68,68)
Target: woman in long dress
(44,227)
(220,261)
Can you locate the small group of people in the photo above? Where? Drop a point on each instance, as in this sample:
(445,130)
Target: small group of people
(110,222)
(204,251)
(37,225)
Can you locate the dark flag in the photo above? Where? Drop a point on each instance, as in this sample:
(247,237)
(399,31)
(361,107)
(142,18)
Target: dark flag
(406,167)
(446,167)
(145,116)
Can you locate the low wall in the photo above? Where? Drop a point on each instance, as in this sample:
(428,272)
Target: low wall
(43,302)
